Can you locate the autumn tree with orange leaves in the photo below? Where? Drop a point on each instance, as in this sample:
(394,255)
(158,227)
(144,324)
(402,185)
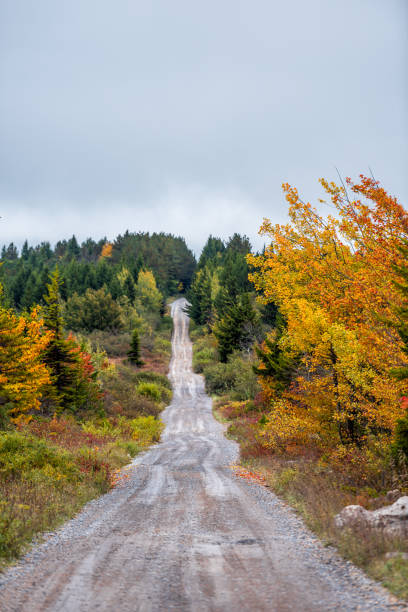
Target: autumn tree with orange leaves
(23,373)
(333,278)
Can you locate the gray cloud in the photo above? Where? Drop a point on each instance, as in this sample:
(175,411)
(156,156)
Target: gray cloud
(187,117)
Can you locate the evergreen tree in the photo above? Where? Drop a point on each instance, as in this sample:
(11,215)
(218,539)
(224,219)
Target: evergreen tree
(58,356)
(73,249)
(275,363)
(200,307)
(134,352)
(25,251)
(129,288)
(401,430)
(238,327)
(29,294)
(212,252)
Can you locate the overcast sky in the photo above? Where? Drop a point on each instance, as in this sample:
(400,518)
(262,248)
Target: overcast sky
(186,116)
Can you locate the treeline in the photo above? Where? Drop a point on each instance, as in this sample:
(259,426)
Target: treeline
(95,265)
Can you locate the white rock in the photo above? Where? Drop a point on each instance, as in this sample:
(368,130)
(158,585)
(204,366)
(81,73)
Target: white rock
(392,520)
(396,555)
(351,516)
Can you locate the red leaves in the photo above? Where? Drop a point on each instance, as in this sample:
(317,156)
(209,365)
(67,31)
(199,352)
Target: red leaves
(248,475)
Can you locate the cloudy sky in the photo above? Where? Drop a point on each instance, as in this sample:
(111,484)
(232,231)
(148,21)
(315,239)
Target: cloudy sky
(186,116)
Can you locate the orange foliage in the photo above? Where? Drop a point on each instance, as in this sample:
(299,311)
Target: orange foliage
(332,278)
(106,250)
(23,374)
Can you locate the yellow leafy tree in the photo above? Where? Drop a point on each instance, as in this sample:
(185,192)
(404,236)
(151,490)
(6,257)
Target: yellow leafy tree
(23,373)
(106,250)
(332,278)
(148,296)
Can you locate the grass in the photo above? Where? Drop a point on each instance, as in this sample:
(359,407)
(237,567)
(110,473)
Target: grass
(49,469)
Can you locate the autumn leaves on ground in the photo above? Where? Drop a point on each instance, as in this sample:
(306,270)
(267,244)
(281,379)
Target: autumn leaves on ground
(303,347)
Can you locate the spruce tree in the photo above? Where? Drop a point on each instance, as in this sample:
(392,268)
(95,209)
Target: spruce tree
(134,352)
(275,363)
(200,308)
(237,328)
(59,357)
(401,373)
(129,288)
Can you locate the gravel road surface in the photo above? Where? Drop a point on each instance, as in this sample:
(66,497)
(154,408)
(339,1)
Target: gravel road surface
(184,533)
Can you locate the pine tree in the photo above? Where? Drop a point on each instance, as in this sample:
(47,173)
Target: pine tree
(134,352)
(275,363)
(25,251)
(129,288)
(402,312)
(58,355)
(401,373)
(200,308)
(237,328)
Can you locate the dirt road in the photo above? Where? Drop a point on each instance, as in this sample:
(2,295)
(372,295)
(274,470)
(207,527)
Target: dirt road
(183,533)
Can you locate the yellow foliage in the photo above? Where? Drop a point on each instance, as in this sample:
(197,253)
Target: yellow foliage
(147,294)
(106,250)
(332,278)
(23,372)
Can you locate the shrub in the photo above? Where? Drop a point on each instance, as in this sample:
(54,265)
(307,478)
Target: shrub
(121,396)
(162,345)
(235,377)
(115,344)
(204,351)
(150,390)
(146,430)
(22,454)
(147,376)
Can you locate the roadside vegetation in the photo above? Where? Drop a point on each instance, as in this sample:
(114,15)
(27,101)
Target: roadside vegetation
(304,348)
(83,375)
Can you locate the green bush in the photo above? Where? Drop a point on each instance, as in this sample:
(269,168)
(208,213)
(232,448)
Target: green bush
(147,376)
(115,344)
(130,447)
(162,346)
(21,455)
(219,378)
(121,396)
(150,390)
(146,430)
(166,324)
(204,353)
(236,377)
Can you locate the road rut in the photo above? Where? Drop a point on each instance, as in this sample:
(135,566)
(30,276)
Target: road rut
(183,533)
